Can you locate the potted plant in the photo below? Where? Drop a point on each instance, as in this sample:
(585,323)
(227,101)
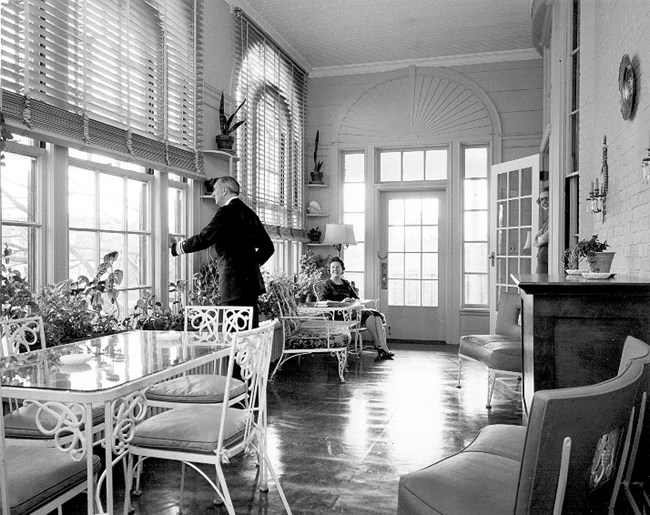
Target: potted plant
(594,251)
(314,234)
(225,140)
(317,174)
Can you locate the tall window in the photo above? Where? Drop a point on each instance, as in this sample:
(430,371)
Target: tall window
(354,213)
(177,223)
(20,213)
(109,210)
(475,226)
(111,75)
(270,144)
(572,184)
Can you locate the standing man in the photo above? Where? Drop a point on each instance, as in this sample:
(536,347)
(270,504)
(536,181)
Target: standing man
(241,243)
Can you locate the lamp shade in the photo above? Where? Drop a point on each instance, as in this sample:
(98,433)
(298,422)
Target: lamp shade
(339,234)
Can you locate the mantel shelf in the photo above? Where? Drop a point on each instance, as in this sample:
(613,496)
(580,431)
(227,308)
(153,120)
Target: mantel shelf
(221,154)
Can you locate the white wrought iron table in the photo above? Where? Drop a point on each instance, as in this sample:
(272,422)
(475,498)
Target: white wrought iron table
(120,367)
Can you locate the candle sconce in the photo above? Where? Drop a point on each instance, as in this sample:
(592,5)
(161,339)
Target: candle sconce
(597,199)
(645,167)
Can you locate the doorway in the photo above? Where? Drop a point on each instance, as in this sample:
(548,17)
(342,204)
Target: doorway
(412,273)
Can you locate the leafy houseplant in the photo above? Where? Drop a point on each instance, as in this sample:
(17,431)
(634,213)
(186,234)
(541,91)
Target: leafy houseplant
(225,140)
(314,234)
(593,251)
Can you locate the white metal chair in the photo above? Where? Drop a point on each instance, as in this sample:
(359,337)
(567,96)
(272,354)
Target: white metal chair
(21,335)
(38,480)
(204,386)
(18,336)
(214,434)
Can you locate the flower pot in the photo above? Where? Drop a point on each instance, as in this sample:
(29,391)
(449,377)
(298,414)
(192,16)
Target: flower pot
(601,262)
(225,141)
(317,177)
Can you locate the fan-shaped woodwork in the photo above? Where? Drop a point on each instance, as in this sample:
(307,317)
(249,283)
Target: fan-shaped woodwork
(416,107)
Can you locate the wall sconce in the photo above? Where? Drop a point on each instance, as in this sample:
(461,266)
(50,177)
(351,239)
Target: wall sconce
(339,235)
(598,193)
(645,167)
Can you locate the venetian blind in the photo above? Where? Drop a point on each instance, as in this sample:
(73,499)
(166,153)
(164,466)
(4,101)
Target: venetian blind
(117,75)
(271,142)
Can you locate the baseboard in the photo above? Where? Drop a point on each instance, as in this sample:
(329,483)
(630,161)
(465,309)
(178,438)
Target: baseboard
(418,342)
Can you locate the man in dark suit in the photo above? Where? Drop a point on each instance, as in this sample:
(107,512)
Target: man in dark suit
(241,243)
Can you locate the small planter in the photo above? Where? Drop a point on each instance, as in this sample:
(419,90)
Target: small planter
(601,262)
(316,178)
(225,141)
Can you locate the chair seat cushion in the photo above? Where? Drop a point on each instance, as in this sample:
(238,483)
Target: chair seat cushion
(314,338)
(36,475)
(21,423)
(194,429)
(196,388)
(482,478)
(495,351)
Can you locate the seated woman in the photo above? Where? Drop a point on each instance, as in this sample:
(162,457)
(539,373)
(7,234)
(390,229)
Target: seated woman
(338,289)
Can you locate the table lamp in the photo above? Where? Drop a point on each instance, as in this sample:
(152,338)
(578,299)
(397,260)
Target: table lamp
(339,235)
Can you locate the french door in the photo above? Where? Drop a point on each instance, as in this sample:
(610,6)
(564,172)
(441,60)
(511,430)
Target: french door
(412,250)
(514,186)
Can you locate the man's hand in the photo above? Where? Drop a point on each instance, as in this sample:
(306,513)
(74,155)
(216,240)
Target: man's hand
(170,241)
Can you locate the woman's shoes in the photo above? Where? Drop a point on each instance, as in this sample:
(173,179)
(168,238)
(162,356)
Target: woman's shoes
(384,354)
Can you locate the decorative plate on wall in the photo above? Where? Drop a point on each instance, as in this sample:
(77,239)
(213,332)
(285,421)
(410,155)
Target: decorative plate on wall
(626,86)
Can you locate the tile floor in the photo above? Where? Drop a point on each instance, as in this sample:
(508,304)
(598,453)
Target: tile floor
(340,448)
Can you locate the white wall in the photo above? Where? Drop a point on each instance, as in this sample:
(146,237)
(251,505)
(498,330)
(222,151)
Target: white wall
(611,28)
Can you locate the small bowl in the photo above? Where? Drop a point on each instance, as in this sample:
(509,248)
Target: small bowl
(75,359)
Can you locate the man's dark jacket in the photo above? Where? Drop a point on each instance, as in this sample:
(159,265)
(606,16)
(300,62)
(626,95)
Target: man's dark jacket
(242,245)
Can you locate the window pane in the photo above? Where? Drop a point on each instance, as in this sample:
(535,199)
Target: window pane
(412,239)
(475,162)
(354,167)
(396,265)
(20,241)
(354,197)
(476,225)
(430,211)
(111,202)
(395,239)
(430,293)
(111,242)
(476,259)
(17,184)
(176,211)
(436,165)
(137,205)
(390,166)
(411,293)
(413,166)
(396,212)
(82,254)
(412,212)
(476,289)
(429,266)
(358,221)
(138,259)
(412,266)
(81,198)
(429,238)
(395,292)
(476,194)
(354,257)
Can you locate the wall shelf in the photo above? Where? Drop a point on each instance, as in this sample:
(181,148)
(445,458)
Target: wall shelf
(221,154)
(314,244)
(316,185)
(317,215)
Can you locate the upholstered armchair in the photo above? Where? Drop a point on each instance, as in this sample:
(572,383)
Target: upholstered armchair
(500,352)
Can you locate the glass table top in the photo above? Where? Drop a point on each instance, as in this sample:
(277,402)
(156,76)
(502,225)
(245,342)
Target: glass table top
(105,362)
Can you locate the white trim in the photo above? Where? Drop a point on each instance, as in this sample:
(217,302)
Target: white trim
(271,32)
(435,62)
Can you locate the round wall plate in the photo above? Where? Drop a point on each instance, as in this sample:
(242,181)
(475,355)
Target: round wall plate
(626,86)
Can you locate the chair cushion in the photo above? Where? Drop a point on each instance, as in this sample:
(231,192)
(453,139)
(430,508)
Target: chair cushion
(507,323)
(37,475)
(194,429)
(482,478)
(313,338)
(495,351)
(21,423)
(196,388)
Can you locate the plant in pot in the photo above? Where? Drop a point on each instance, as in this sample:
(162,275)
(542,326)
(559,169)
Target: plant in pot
(317,174)
(225,140)
(314,234)
(594,252)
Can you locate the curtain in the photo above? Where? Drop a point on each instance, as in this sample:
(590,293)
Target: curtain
(117,75)
(271,142)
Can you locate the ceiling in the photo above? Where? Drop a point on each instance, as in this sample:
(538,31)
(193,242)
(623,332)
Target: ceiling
(331,37)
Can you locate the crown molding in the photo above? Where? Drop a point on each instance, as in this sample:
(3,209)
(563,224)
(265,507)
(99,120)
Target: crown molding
(434,62)
(271,32)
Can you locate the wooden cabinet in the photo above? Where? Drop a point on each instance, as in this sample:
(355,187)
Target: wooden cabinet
(574,328)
